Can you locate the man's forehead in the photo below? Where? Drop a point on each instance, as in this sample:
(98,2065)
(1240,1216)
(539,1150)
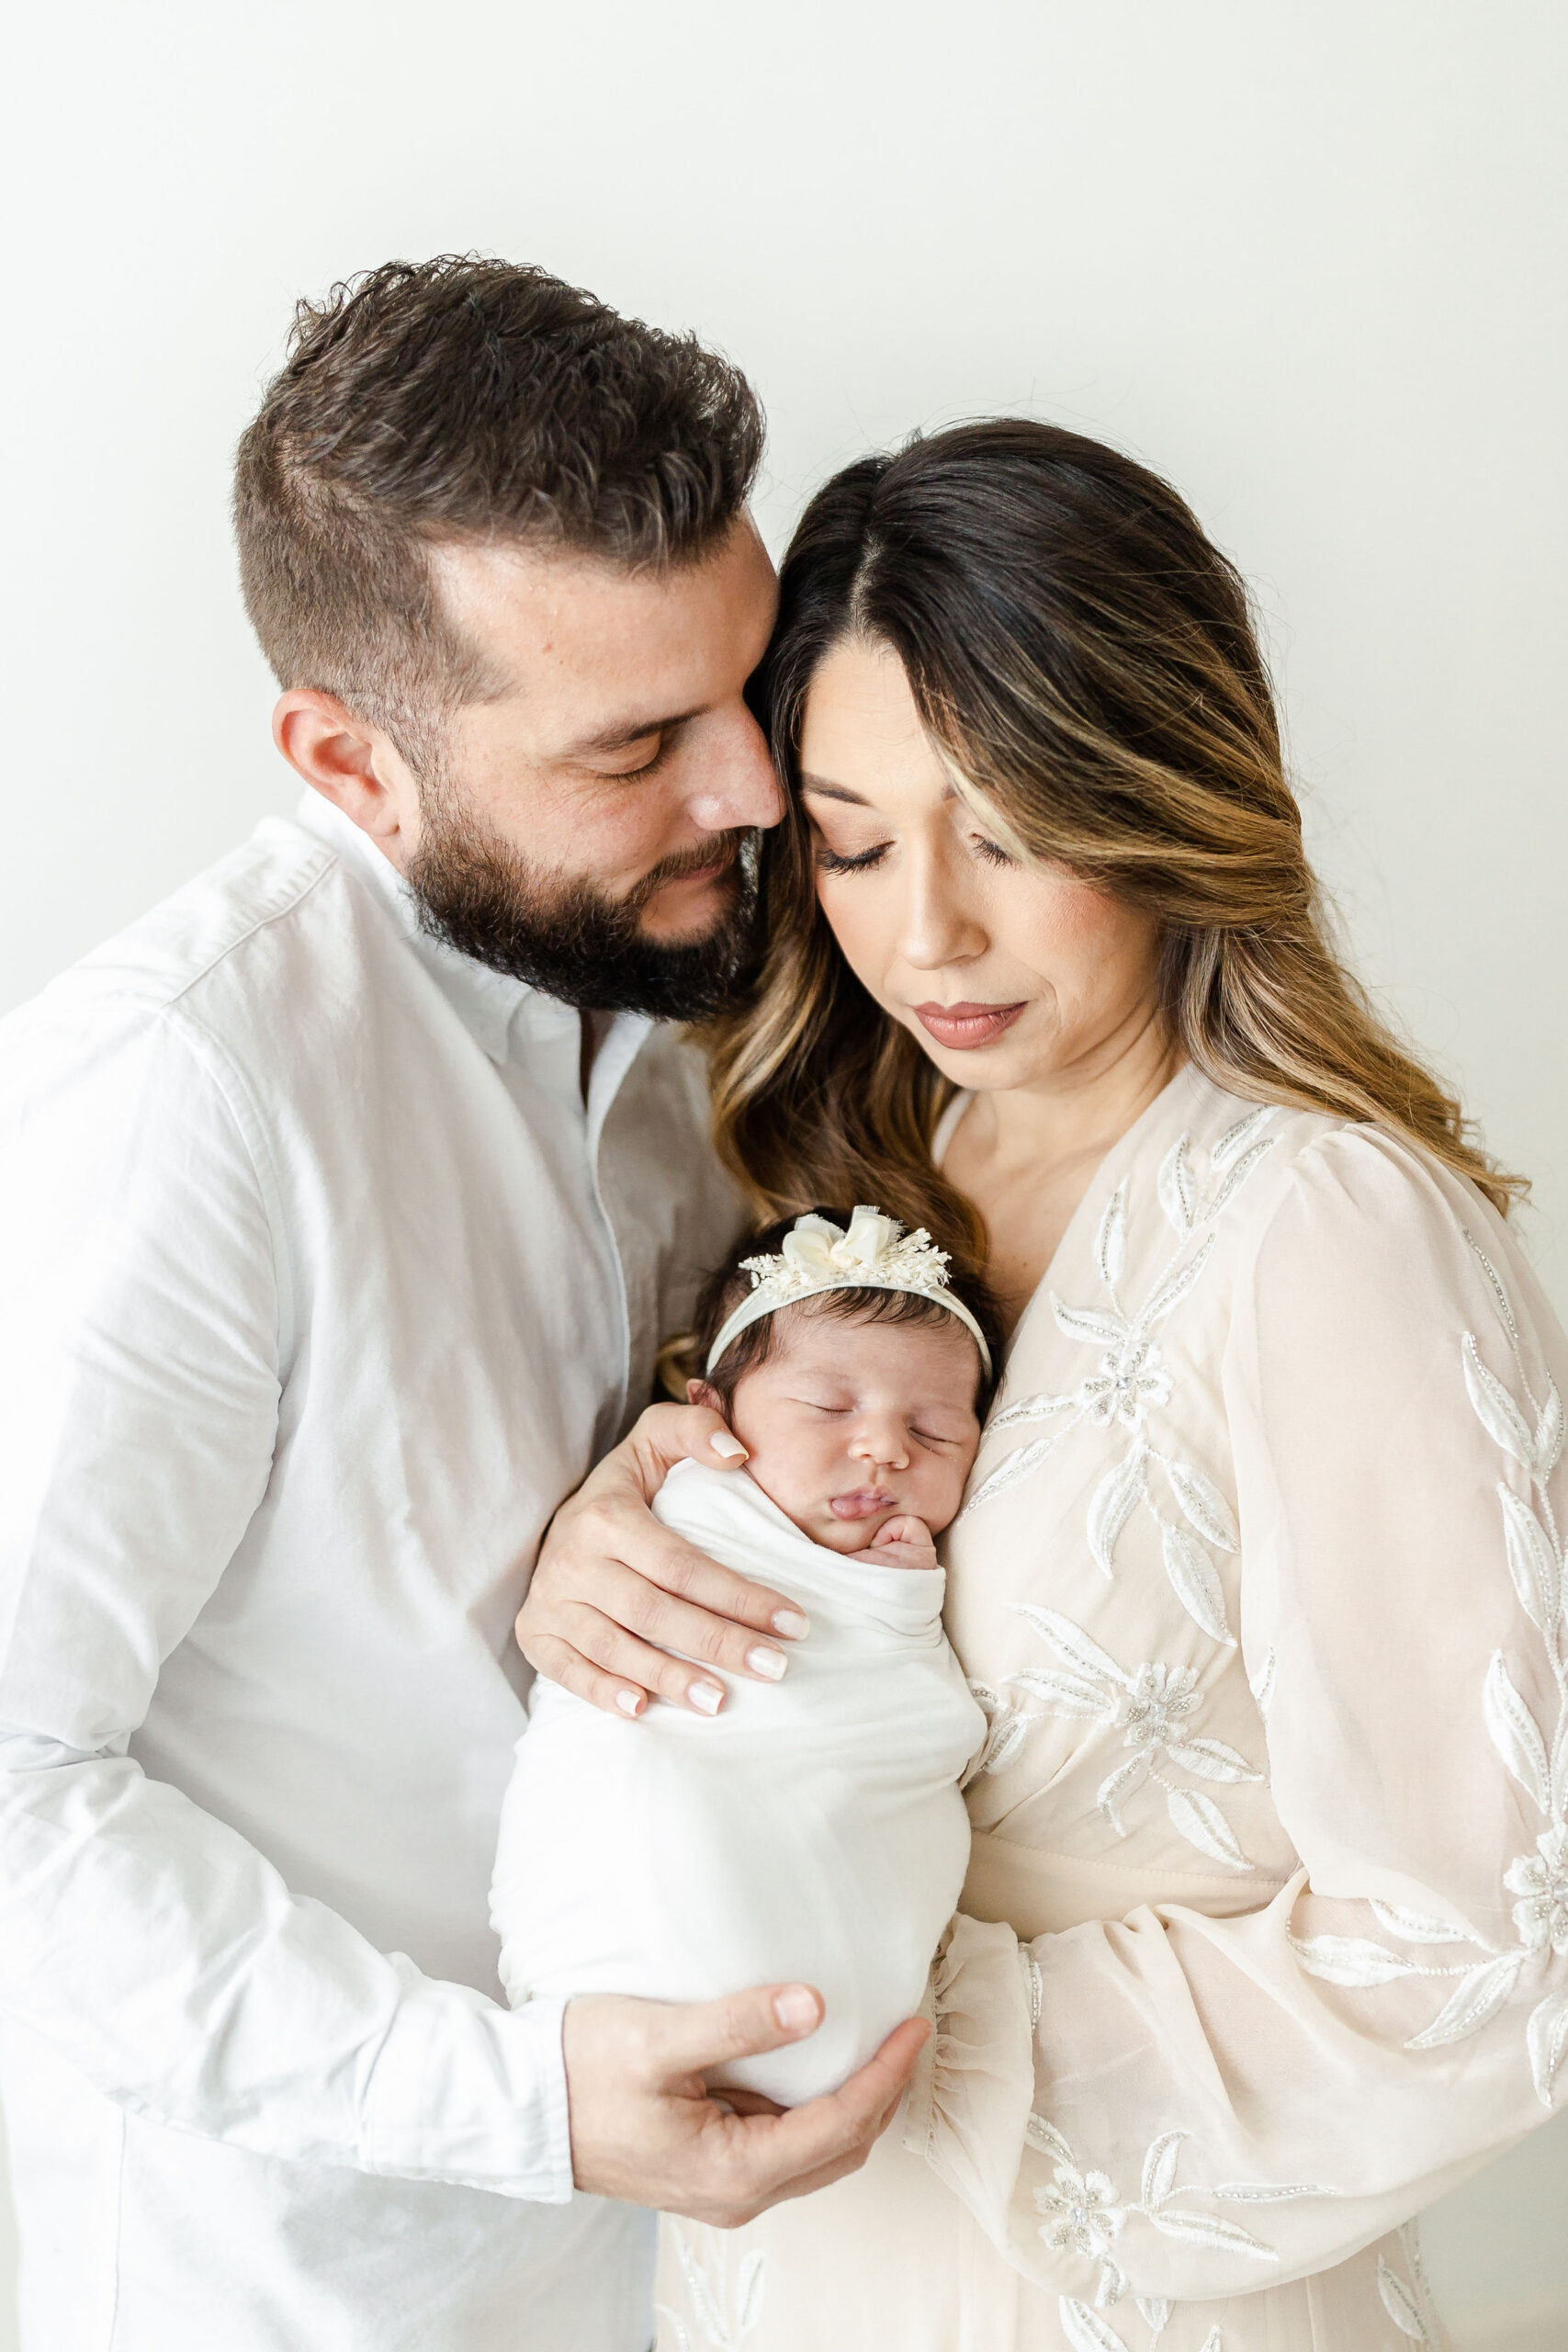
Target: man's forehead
(617,643)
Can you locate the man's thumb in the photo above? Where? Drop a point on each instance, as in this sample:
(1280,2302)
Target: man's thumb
(710,2033)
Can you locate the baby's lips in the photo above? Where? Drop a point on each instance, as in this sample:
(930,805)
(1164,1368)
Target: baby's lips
(864,1503)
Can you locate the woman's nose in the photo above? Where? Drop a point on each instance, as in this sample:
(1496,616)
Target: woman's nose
(937,926)
(882,1444)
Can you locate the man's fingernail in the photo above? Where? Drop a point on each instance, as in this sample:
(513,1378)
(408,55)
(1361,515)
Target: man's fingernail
(795,2008)
(727,1448)
(791,1625)
(770,1664)
(708,1696)
(629,1702)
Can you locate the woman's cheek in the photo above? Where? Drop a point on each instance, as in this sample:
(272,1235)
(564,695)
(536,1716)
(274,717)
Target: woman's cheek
(861,929)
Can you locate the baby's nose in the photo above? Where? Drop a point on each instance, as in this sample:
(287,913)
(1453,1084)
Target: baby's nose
(883,1443)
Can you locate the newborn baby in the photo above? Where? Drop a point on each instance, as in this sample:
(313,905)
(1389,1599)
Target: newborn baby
(812,1831)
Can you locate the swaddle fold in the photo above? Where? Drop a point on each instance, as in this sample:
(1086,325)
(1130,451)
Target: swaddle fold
(812,1832)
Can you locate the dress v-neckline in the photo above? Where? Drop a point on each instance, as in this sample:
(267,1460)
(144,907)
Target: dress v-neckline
(947,1127)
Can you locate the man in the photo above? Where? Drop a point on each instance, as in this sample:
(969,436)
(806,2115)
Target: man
(349,1196)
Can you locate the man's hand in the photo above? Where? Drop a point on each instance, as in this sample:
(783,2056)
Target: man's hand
(614,1592)
(645,2128)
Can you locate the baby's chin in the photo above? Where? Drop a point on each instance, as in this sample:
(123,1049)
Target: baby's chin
(847,1535)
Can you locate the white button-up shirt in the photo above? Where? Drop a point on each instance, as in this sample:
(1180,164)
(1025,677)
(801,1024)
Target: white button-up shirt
(321,1288)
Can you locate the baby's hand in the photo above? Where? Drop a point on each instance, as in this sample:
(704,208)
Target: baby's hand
(903,1542)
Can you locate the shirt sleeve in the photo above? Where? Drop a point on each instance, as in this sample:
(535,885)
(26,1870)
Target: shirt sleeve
(156,1950)
(1194,2107)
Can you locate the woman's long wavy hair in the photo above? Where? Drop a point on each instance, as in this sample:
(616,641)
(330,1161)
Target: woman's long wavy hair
(1086,663)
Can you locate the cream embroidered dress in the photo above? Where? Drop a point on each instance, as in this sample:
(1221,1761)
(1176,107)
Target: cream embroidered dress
(1264,1944)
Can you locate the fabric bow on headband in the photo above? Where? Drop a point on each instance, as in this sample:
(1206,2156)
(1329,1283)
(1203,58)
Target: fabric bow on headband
(874,1253)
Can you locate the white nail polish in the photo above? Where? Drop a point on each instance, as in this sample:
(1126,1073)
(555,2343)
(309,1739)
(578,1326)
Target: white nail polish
(707,1696)
(791,1625)
(628,1701)
(727,1448)
(770,1664)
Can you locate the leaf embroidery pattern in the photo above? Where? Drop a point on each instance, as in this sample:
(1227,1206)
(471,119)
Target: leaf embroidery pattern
(1531,1435)
(718,2328)
(1005,1729)
(1134,1380)
(1156,1709)
(1082,2215)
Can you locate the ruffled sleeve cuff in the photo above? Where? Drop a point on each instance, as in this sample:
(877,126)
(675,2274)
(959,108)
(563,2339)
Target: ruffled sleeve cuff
(970,2098)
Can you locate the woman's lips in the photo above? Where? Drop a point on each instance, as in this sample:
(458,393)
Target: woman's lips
(964,1025)
(861,1504)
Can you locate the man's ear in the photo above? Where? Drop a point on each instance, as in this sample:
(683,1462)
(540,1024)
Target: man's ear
(699,1393)
(350,763)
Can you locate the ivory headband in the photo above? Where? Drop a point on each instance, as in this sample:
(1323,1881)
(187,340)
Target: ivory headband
(874,1254)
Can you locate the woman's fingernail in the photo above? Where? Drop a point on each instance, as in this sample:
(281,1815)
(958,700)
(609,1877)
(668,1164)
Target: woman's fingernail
(770,1664)
(729,1449)
(707,1696)
(795,2008)
(629,1702)
(791,1625)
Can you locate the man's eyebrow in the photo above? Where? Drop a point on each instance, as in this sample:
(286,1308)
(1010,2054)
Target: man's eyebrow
(624,733)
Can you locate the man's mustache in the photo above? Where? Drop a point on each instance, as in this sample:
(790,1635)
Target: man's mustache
(680,863)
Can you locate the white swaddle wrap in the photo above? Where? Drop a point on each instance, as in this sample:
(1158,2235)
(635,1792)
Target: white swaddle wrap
(812,1832)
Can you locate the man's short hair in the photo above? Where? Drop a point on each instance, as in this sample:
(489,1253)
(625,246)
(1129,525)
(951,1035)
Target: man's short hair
(463,400)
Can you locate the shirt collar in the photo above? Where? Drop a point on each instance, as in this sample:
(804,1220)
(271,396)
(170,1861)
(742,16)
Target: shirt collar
(485,1001)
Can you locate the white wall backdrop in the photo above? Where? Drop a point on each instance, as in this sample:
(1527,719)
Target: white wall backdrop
(1306,261)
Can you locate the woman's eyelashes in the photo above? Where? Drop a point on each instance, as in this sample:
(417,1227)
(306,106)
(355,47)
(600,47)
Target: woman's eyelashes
(832,861)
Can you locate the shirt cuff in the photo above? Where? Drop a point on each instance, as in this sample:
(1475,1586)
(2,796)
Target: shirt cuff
(467,2092)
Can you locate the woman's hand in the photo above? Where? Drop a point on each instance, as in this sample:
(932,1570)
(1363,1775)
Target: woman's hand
(614,1592)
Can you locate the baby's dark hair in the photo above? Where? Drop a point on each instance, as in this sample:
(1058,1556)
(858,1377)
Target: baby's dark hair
(729,1285)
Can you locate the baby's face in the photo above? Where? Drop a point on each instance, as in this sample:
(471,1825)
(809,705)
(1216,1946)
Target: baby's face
(850,1424)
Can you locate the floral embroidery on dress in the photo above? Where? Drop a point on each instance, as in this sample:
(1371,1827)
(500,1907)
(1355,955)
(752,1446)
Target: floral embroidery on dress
(1533,1548)
(1154,1708)
(1082,2214)
(718,2329)
(1134,1380)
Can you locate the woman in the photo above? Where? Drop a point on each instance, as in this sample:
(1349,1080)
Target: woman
(1260,1574)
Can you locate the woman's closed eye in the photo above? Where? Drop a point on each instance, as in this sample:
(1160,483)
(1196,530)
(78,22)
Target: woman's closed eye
(991,851)
(832,861)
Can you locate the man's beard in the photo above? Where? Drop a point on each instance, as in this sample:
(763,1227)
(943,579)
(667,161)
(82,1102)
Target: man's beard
(571,941)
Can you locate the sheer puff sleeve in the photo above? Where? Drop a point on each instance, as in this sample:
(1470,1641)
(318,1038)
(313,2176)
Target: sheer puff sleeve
(1190,2107)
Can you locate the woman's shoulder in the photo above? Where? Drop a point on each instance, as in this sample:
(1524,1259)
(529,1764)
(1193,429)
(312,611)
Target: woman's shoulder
(1360,1174)
(1267,1188)
(1353,1220)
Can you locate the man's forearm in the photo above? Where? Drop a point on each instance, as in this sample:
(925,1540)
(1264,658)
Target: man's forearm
(167,1960)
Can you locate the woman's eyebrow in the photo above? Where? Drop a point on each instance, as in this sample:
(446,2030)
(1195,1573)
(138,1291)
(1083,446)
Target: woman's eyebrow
(826,791)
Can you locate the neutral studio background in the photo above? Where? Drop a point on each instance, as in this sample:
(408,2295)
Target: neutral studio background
(1307,261)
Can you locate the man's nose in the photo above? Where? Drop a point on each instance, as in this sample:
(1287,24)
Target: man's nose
(738,786)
